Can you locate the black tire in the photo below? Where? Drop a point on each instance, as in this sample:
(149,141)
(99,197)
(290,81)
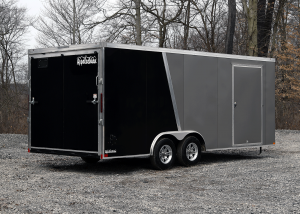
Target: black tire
(191,157)
(90,159)
(161,158)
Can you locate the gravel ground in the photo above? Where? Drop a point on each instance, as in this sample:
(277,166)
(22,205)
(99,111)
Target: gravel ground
(232,181)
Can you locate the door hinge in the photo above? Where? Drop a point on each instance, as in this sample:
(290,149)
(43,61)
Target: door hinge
(28,120)
(101,122)
(101,81)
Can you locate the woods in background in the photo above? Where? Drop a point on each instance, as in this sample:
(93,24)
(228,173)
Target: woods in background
(263,28)
(13,92)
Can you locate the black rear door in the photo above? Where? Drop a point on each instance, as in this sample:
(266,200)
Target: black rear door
(47,111)
(80,115)
(64,116)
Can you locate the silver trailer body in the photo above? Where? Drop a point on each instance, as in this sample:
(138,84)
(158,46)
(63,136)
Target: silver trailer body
(227,100)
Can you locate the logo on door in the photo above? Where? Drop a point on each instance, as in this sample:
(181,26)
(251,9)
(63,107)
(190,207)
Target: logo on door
(85,60)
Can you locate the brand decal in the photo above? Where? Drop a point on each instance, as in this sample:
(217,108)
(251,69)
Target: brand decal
(110,151)
(85,60)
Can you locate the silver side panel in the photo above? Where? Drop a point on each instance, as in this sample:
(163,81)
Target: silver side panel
(172,91)
(224,103)
(270,103)
(176,67)
(201,97)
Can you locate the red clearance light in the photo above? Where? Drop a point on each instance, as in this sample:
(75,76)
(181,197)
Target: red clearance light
(101,103)
(105,155)
(28,150)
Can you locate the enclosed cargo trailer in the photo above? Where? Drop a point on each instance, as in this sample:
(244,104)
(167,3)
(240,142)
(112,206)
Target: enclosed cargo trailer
(105,101)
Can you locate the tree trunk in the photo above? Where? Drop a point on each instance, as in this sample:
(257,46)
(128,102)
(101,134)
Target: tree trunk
(231,26)
(279,13)
(138,27)
(251,14)
(261,31)
(264,26)
(187,26)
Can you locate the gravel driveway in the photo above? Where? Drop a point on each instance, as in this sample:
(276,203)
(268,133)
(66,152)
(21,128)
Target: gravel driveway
(232,181)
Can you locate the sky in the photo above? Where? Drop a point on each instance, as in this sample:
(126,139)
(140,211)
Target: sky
(34,7)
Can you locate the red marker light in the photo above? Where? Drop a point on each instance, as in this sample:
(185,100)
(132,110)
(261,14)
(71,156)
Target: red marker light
(28,150)
(105,155)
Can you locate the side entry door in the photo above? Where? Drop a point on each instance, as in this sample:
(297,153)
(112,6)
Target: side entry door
(247,104)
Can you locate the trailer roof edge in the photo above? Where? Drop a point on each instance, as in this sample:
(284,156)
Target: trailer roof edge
(142,48)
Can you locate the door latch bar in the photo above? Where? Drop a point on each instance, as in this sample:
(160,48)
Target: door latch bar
(33,101)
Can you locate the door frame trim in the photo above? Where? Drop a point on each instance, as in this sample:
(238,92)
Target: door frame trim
(261,101)
(29,106)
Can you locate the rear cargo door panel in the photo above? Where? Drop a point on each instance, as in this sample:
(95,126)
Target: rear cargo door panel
(64,117)
(47,113)
(80,115)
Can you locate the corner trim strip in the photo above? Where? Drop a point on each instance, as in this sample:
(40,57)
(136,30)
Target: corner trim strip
(171,90)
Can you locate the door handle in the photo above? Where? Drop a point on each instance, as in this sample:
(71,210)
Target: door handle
(33,101)
(94,101)
(235,104)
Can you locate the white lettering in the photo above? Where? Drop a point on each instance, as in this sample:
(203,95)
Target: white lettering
(110,151)
(85,60)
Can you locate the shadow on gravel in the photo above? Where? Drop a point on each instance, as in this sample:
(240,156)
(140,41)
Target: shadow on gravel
(107,167)
(129,165)
(208,158)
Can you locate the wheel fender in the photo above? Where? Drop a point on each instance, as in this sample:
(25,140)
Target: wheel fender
(179,135)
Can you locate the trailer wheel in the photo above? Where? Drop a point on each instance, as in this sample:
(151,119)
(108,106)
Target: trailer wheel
(163,154)
(189,151)
(90,160)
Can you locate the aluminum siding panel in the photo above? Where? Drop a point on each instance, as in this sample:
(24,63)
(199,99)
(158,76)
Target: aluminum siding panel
(224,103)
(200,97)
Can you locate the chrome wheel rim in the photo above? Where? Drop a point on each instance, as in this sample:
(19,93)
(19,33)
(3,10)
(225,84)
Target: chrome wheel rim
(191,151)
(165,154)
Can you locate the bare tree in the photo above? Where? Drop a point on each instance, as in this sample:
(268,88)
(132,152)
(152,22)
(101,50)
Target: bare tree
(62,22)
(209,25)
(163,15)
(127,24)
(13,100)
